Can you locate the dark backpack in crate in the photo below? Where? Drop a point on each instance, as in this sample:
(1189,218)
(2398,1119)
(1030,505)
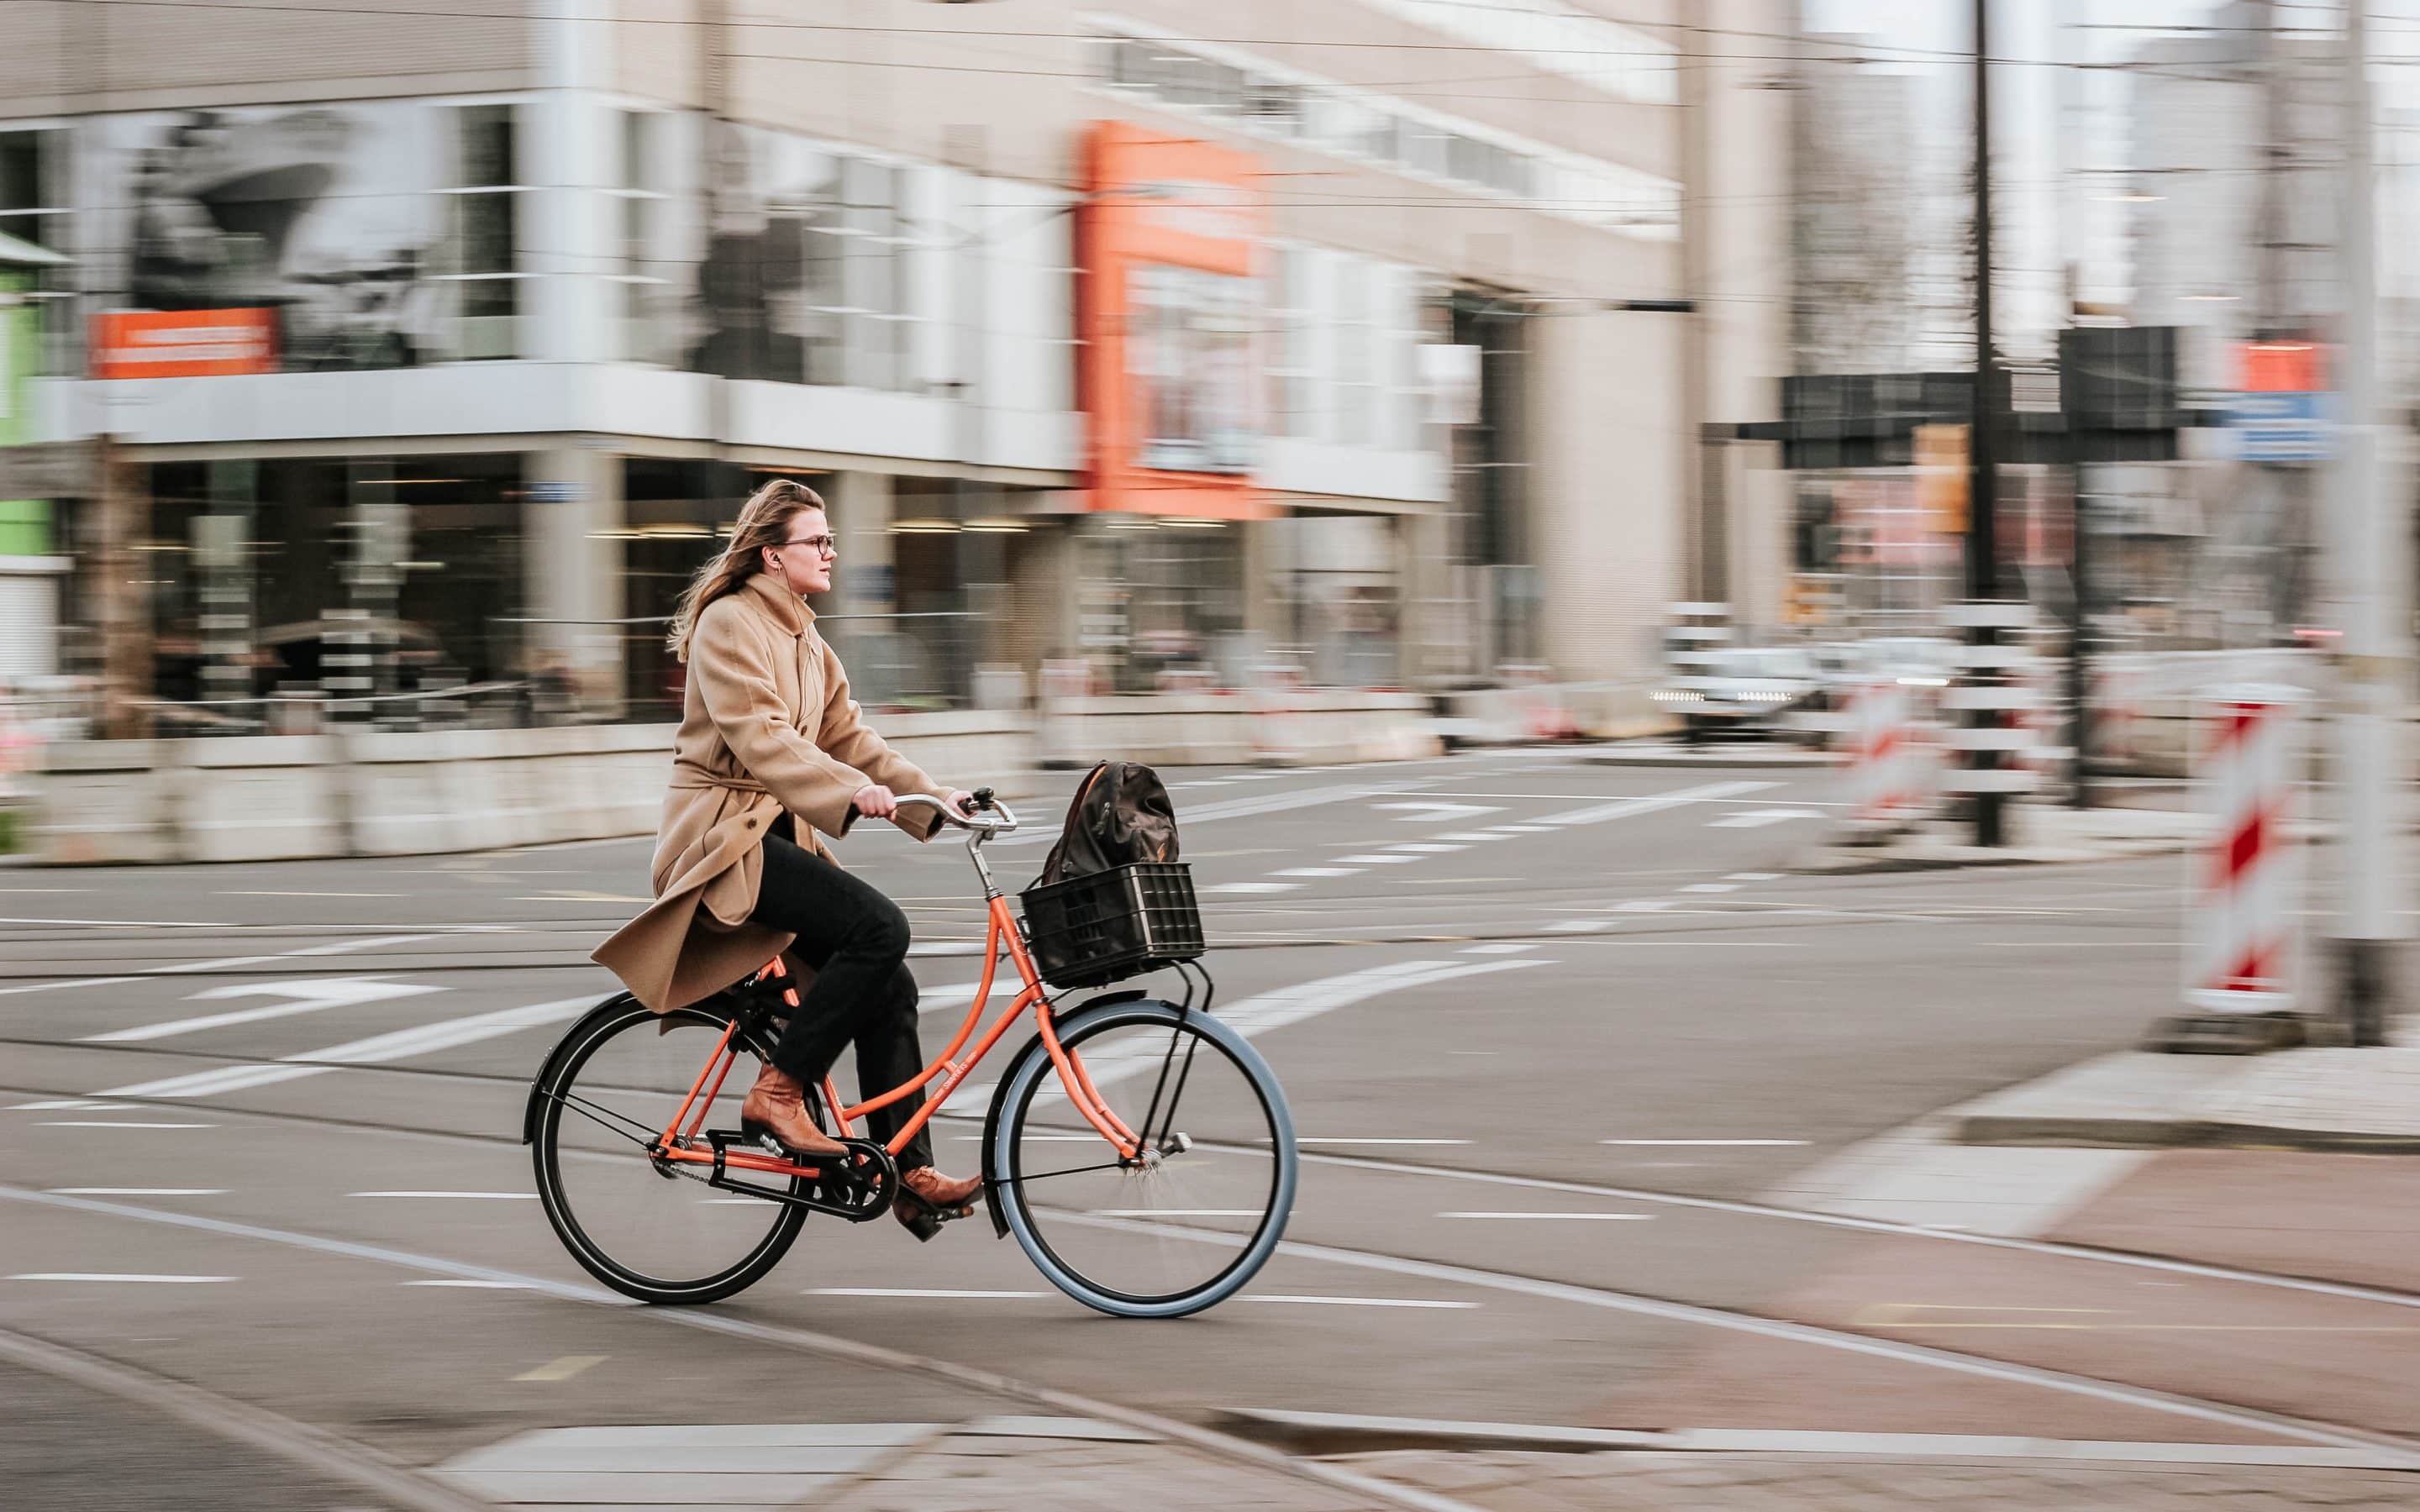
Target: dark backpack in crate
(1112,900)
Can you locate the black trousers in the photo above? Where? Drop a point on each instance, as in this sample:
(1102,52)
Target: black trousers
(856,939)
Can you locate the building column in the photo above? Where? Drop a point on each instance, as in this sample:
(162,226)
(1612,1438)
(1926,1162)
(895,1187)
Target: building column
(572,566)
(861,510)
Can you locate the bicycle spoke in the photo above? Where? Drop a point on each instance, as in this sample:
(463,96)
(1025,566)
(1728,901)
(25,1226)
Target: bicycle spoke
(655,1228)
(645,1136)
(1088,1225)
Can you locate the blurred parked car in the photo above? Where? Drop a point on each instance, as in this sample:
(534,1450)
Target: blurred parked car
(1746,690)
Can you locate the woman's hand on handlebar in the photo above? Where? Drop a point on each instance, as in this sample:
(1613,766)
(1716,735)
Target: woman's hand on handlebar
(961,802)
(875,801)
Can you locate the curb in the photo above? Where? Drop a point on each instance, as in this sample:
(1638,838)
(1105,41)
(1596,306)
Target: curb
(2052,1129)
(1840,864)
(1712,758)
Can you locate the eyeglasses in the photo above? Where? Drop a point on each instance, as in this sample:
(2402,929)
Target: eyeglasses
(827,546)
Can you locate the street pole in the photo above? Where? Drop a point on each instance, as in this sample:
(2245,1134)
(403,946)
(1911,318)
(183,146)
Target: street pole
(2372,662)
(1982,566)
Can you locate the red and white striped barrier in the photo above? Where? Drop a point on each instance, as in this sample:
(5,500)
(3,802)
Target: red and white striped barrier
(1888,761)
(2241,886)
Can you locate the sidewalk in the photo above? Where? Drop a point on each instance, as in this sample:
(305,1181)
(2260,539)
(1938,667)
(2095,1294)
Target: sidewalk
(982,1474)
(2038,834)
(2356,1100)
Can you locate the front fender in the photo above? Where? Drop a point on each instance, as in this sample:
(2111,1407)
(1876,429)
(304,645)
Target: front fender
(1000,1097)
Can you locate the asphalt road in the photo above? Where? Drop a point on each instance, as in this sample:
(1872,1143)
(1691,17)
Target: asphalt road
(289,1096)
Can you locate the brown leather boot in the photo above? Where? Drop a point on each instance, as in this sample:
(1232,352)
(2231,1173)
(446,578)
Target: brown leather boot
(777,1104)
(926,1198)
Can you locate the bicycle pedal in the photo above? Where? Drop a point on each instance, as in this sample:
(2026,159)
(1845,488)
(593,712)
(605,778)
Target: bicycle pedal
(923,1223)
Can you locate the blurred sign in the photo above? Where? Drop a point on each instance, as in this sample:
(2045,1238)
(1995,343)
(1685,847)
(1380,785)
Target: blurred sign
(558,491)
(1941,468)
(2281,415)
(129,344)
(1170,238)
(2280,427)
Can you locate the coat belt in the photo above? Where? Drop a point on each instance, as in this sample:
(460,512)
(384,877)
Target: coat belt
(697,779)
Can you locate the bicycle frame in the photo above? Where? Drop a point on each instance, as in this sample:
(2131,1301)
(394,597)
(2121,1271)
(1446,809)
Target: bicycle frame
(675,1144)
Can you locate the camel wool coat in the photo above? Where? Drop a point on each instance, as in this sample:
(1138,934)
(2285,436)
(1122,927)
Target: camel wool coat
(767,726)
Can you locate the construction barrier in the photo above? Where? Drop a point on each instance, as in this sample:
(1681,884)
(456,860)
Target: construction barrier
(1888,775)
(2240,931)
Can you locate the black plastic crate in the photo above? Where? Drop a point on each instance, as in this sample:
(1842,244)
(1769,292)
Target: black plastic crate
(1122,923)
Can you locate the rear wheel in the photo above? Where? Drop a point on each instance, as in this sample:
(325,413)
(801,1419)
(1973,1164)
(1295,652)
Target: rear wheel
(1191,1223)
(650,1230)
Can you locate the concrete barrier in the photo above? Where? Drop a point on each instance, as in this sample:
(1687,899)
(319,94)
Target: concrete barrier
(1545,711)
(1321,727)
(287,797)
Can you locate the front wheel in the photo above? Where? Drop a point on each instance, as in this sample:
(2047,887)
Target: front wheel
(1187,1226)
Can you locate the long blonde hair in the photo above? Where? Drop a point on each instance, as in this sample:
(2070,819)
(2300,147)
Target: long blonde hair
(764,520)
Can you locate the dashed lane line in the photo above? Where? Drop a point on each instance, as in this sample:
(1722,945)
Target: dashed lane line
(1367,1489)
(131,1277)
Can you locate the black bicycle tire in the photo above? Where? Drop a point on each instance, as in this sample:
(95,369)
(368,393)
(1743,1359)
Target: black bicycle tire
(599,1026)
(1007,1189)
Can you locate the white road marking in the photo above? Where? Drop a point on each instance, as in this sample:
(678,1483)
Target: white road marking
(1754,876)
(1175,1212)
(1643,905)
(58,1105)
(118,1275)
(1503,948)
(1263,1011)
(832,1347)
(1352,1140)
(62,986)
(1432,811)
(1565,1217)
(1471,836)
(477,1285)
(1424,849)
(378,1049)
(1318,872)
(1377,860)
(950,1293)
(1525,829)
(1712,887)
(101,1123)
(1579,926)
(138,1191)
(474,1197)
(923,948)
(1252,887)
(1353,1302)
(333,947)
(1759,818)
(310,995)
(1627,807)
(1701,1143)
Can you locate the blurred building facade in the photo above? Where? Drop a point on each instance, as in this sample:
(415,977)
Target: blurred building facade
(1183,357)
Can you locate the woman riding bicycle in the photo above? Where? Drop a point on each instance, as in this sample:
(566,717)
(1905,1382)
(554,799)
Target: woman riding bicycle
(770,743)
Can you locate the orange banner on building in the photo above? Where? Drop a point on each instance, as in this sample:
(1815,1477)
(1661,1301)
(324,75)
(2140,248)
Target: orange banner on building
(130,344)
(1170,238)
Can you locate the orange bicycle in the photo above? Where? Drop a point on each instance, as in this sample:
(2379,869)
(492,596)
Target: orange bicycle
(647,1179)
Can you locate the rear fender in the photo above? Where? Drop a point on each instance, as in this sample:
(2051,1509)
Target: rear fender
(1000,1097)
(554,1057)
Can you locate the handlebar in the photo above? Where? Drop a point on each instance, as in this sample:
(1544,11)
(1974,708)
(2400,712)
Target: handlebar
(993,818)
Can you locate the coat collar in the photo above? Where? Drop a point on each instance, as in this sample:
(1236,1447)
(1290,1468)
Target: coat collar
(775,597)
